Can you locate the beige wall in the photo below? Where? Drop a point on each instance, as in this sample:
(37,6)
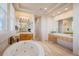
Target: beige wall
(64,15)
(52,24)
(23,14)
(44,30)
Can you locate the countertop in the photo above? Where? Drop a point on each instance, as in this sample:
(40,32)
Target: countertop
(63,35)
(17,34)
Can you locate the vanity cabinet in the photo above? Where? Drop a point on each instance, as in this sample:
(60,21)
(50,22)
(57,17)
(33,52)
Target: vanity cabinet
(26,37)
(52,38)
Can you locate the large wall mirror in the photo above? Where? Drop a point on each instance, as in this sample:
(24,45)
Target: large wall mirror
(25,25)
(65,26)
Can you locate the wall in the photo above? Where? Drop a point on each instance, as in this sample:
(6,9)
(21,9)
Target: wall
(65,15)
(76,29)
(61,17)
(23,14)
(44,30)
(7,32)
(48,24)
(52,24)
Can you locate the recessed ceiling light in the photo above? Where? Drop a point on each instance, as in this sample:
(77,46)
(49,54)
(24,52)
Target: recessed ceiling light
(66,9)
(45,8)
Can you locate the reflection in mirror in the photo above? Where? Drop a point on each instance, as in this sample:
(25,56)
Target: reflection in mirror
(65,26)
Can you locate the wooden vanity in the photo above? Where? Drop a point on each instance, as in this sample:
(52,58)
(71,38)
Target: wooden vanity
(59,36)
(25,36)
(52,38)
(63,39)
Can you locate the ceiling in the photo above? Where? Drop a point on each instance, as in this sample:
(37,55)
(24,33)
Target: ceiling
(51,9)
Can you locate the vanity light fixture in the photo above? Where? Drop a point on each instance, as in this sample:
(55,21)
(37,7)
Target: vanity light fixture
(66,9)
(45,8)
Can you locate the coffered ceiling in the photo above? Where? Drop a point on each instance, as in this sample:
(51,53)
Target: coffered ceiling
(51,9)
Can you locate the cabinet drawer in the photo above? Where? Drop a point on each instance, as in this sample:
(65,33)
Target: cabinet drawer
(52,38)
(26,36)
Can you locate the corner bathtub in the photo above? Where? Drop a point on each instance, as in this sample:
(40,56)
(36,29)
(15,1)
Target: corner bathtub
(24,48)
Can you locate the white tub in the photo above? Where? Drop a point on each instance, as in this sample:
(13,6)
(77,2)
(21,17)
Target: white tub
(24,48)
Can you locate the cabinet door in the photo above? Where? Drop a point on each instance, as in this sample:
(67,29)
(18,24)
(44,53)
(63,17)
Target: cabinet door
(52,38)
(26,36)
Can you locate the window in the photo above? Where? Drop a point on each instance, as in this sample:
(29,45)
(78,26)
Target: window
(11,25)
(2,17)
(1,26)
